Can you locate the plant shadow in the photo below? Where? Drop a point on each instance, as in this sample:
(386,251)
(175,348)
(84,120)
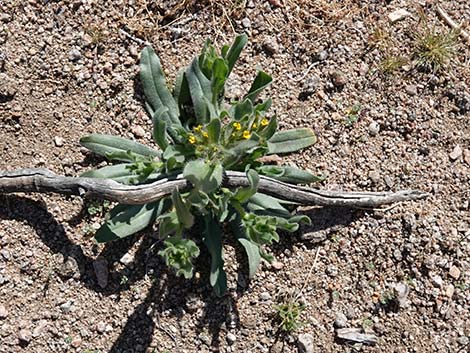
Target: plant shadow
(168,294)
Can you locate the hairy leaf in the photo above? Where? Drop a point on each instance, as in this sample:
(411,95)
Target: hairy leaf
(182,210)
(243,194)
(126,220)
(212,238)
(291,140)
(108,145)
(155,89)
(203,176)
(232,53)
(261,81)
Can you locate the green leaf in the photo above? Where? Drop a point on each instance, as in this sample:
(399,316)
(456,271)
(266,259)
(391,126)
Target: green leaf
(269,130)
(254,257)
(182,210)
(108,145)
(261,81)
(263,204)
(159,130)
(183,97)
(213,130)
(264,106)
(168,223)
(289,174)
(219,76)
(119,172)
(204,176)
(242,109)
(155,89)
(179,253)
(292,224)
(129,219)
(201,93)
(212,238)
(232,53)
(291,140)
(244,194)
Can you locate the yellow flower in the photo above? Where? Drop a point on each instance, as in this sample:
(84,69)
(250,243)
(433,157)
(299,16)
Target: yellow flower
(205,134)
(192,139)
(254,126)
(246,134)
(264,122)
(237,125)
(198,128)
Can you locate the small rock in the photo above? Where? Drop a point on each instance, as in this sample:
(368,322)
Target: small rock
(449,291)
(25,336)
(398,15)
(388,181)
(374,128)
(127,259)
(75,55)
(231,338)
(69,268)
(66,307)
(463,340)
(246,23)
(138,131)
(314,237)
(5,254)
(40,328)
(341,320)
(59,141)
(397,255)
(270,45)
(456,153)
(332,270)
(437,281)
(374,176)
(3,312)
(101,271)
(4,17)
(277,265)
(454,272)
(48,90)
(101,327)
(466,156)
(76,342)
(265,296)
(305,342)
(401,292)
(355,335)
(310,86)
(321,55)
(338,79)
(411,90)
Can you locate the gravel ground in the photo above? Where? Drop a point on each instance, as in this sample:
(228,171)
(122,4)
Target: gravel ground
(401,274)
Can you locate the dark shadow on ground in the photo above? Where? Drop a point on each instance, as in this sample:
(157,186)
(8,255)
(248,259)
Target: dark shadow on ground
(168,293)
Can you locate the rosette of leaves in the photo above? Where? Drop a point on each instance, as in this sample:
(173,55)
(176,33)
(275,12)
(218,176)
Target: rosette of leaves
(200,135)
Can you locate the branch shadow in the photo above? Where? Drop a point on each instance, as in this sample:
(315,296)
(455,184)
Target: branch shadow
(168,294)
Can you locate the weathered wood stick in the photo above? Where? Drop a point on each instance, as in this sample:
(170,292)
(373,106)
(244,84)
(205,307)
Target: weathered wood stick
(45,181)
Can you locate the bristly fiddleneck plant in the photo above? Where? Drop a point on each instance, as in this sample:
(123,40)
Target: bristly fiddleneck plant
(201,135)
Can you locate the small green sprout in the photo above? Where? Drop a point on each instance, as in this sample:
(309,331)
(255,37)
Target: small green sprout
(288,315)
(433,49)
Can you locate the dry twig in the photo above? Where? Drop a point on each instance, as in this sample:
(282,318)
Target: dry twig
(45,181)
(447,19)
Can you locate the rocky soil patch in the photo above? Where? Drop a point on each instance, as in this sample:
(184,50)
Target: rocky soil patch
(391,280)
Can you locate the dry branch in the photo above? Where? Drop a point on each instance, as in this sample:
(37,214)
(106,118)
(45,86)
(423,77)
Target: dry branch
(447,19)
(45,181)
